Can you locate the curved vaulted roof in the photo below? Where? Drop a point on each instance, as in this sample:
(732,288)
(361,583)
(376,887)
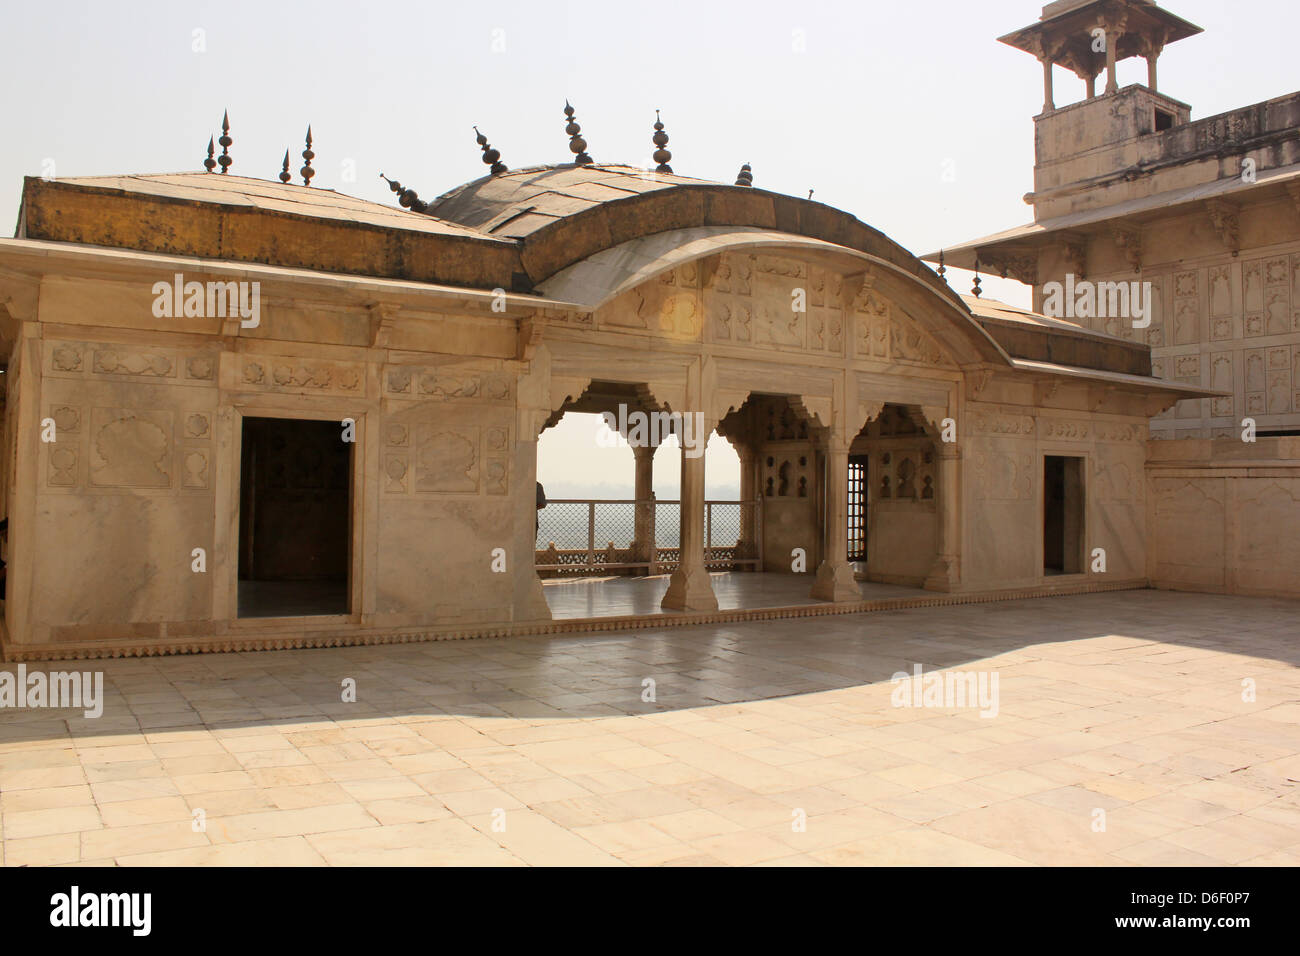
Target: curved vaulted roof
(576,235)
(563,214)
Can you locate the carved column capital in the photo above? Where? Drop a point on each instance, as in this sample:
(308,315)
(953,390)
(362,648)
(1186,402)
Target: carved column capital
(1021,266)
(383,319)
(1130,243)
(530,336)
(1074,249)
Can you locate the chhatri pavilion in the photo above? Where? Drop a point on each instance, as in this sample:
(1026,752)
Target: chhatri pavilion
(245,413)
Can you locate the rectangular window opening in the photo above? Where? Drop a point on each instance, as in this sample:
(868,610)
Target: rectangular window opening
(858,507)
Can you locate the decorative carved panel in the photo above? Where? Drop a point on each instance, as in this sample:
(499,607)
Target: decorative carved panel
(448,383)
(130,448)
(446,459)
(1003,476)
(139,364)
(306,376)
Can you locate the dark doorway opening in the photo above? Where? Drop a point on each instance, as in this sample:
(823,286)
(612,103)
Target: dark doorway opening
(295,507)
(858,486)
(1062,515)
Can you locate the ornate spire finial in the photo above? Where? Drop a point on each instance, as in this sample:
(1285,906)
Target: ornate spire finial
(225,141)
(307,172)
(943,270)
(491,157)
(660,139)
(285,175)
(577,145)
(975,289)
(406,198)
(210,164)
(746,176)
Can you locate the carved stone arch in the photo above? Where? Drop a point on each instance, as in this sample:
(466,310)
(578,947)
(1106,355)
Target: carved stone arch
(868,412)
(816,408)
(725,401)
(598,395)
(933,416)
(928,419)
(565,390)
(812,409)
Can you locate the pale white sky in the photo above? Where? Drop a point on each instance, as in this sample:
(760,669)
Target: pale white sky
(867,102)
(571,463)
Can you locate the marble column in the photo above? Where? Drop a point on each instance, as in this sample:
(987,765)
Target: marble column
(747,543)
(643,539)
(945,573)
(529,598)
(1112,78)
(835,581)
(689,588)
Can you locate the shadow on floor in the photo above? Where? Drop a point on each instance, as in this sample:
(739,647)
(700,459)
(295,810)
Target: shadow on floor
(597,675)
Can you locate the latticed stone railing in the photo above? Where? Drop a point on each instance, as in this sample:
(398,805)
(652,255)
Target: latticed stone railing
(586,535)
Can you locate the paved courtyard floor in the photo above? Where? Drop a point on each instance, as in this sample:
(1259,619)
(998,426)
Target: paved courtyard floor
(1136,727)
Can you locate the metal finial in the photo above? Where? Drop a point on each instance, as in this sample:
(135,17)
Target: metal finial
(307,172)
(746,176)
(943,270)
(810,192)
(210,164)
(577,145)
(406,198)
(975,289)
(225,141)
(285,175)
(491,157)
(661,155)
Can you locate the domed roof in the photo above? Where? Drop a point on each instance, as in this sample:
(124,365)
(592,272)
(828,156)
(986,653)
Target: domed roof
(561,215)
(518,203)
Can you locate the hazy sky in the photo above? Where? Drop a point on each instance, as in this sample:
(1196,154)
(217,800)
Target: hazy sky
(868,103)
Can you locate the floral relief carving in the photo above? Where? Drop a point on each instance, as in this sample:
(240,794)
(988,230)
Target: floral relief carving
(195,474)
(66,358)
(1068,430)
(66,418)
(399,380)
(197,426)
(301,376)
(200,367)
(997,423)
(395,468)
(146,364)
(62,466)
